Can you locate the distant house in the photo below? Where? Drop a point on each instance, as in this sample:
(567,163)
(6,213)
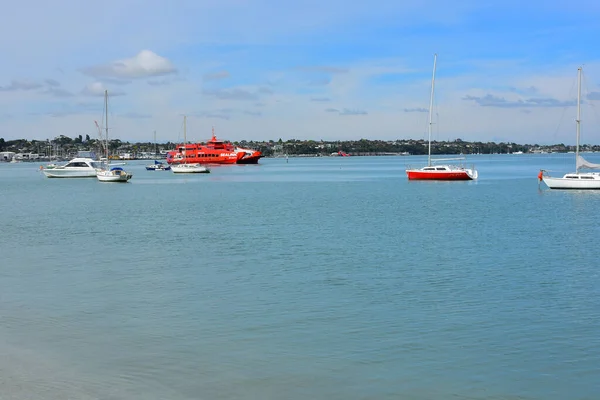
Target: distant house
(7,155)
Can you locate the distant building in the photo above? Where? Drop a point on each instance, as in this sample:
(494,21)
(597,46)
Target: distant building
(7,155)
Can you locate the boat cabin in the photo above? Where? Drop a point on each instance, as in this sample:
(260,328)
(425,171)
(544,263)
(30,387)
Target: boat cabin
(436,169)
(579,177)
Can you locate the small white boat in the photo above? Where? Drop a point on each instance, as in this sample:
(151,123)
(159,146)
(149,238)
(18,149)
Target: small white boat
(186,168)
(575,180)
(106,173)
(115,174)
(189,169)
(158,166)
(76,168)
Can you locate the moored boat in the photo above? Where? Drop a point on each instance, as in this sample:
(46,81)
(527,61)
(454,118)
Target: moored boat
(79,167)
(442,173)
(106,173)
(215,151)
(158,166)
(190,169)
(185,167)
(575,180)
(115,174)
(446,172)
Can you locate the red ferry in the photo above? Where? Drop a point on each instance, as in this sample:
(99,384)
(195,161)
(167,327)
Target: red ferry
(213,152)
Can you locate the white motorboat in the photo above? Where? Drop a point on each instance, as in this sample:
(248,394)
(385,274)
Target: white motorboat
(79,167)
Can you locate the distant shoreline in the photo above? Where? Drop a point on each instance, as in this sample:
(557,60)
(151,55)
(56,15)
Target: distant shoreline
(65,147)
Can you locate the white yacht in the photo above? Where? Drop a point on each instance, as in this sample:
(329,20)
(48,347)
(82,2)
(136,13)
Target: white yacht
(80,167)
(577,179)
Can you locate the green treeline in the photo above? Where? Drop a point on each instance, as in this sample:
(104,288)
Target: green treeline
(66,145)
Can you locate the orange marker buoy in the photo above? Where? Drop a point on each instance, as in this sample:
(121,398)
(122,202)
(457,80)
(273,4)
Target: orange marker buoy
(540,175)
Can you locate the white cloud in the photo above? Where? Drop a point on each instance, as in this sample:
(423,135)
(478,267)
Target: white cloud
(52,82)
(145,64)
(20,84)
(135,115)
(231,94)
(214,76)
(57,92)
(97,89)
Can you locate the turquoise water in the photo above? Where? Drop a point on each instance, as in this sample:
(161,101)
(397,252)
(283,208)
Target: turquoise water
(325,278)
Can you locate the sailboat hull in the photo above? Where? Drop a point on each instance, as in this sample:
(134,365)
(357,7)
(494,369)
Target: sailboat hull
(587,181)
(190,169)
(456,175)
(113,176)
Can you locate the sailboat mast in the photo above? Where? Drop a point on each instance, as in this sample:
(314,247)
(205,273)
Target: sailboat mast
(578,120)
(106,116)
(185,139)
(431,110)
(155,145)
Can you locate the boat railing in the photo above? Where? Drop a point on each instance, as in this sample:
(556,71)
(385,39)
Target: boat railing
(463,166)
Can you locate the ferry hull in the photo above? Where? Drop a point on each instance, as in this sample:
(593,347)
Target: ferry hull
(249,159)
(197,159)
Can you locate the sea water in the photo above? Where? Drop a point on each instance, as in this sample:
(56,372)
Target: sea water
(322,278)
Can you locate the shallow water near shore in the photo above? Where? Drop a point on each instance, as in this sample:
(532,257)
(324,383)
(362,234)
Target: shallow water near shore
(325,278)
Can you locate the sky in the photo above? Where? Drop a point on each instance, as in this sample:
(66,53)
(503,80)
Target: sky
(334,70)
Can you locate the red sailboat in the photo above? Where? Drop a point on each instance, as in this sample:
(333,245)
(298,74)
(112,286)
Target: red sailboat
(446,172)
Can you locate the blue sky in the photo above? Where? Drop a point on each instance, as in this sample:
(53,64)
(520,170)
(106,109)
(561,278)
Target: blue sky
(267,69)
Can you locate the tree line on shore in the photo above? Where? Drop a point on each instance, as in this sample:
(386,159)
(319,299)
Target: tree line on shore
(66,145)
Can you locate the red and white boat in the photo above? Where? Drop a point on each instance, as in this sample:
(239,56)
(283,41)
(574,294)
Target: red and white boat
(215,151)
(445,172)
(442,173)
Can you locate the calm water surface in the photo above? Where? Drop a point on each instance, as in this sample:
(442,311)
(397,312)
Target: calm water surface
(330,278)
